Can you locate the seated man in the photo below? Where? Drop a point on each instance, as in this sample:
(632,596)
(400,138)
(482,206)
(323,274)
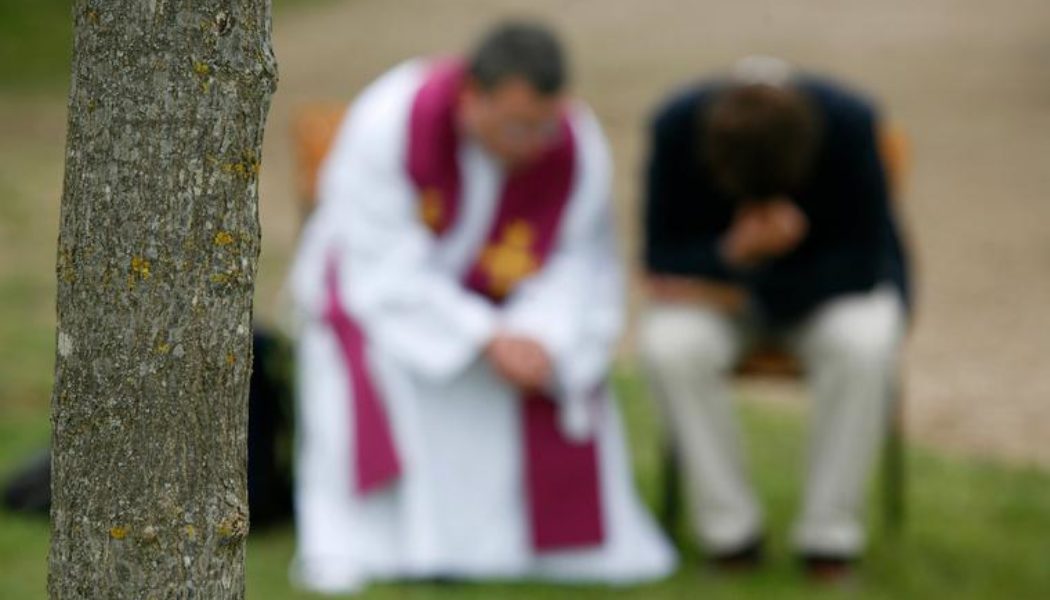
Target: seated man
(767,218)
(461,299)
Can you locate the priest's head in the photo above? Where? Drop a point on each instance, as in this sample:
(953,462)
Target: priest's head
(514,93)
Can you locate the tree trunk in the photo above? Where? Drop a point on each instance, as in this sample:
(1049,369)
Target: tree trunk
(157,252)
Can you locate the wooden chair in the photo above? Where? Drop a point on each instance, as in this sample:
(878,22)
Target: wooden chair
(772,361)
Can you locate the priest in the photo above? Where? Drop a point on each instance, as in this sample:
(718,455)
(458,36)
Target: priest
(459,298)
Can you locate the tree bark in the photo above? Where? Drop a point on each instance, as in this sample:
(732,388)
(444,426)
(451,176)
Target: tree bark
(157,252)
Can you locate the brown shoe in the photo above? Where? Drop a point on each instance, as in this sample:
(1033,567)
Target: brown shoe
(744,559)
(829,569)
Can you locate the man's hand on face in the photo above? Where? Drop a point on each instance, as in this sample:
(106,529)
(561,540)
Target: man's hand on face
(762,231)
(520,360)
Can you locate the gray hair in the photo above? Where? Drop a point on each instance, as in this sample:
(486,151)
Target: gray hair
(522,49)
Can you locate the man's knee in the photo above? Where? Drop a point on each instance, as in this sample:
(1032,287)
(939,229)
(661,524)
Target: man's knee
(863,332)
(686,339)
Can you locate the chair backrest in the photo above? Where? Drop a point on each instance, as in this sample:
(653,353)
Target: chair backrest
(314,126)
(895,149)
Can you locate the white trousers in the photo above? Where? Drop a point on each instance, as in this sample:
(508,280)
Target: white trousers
(849,347)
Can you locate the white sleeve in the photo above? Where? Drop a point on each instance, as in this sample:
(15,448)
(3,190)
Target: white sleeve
(575,305)
(416,314)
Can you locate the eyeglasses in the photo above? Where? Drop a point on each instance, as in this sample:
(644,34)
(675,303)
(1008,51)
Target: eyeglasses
(519,134)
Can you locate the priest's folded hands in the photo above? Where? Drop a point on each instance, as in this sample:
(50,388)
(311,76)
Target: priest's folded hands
(522,361)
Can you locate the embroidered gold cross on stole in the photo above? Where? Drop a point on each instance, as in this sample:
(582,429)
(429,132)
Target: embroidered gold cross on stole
(509,260)
(431,210)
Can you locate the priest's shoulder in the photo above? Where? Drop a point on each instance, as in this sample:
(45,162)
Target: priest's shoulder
(374,123)
(386,101)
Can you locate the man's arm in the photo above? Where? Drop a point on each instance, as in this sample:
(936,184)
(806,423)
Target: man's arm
(673,259)
(670,248)
(848,256)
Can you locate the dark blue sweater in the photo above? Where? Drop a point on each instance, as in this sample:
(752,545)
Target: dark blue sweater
(852,244)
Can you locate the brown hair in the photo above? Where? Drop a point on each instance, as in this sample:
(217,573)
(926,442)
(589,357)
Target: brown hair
(759,139)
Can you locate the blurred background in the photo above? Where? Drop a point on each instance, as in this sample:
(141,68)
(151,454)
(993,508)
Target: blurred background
(968,80)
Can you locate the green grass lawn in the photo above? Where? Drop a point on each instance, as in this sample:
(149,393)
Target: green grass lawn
(975,530)
(36,43)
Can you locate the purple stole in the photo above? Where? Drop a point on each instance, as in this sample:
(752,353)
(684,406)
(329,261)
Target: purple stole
(561,476)
(376,462)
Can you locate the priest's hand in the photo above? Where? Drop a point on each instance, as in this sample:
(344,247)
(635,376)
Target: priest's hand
(521,361)
(761,231)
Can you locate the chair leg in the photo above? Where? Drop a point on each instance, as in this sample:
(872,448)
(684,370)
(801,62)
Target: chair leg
(894,467)
(670,510)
